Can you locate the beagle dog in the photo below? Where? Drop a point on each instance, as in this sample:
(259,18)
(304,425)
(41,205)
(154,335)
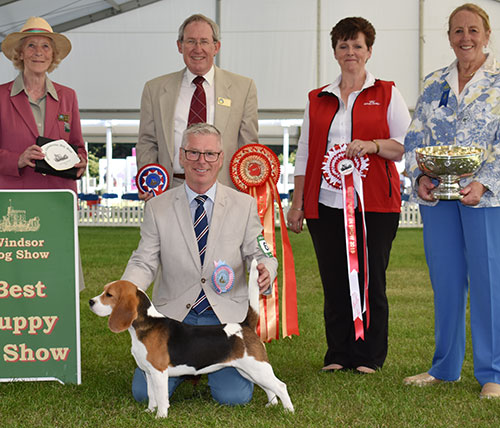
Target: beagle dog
(164,347)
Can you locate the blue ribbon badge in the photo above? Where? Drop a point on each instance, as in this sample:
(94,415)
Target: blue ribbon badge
(445,95)
(223,277)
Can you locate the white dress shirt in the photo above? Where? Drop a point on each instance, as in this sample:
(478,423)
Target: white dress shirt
(209,203)
(452,78)
(398,119)
(184,104)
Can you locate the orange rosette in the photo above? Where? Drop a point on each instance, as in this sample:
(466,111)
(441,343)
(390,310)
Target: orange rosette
(255,169)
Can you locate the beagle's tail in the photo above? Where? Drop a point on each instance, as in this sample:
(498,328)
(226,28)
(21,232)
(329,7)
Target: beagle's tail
(253,297)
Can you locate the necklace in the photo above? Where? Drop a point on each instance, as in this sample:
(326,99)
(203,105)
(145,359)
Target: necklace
(467,76)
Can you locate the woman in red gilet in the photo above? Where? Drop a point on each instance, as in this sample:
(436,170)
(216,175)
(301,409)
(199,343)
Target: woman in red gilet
(362,120)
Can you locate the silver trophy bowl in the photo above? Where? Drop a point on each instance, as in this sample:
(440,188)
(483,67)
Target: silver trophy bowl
(449,164)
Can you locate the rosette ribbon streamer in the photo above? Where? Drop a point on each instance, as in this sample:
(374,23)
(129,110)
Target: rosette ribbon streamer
(255,170)
(346,174)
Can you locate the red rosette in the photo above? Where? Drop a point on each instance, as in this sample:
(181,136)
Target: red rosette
(336,164)
(253,165)
(152,178)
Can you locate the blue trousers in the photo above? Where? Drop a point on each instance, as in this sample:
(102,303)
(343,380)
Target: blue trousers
(462,248)
(226,385)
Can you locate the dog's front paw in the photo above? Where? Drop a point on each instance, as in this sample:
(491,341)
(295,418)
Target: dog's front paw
(161,413)
(272,402)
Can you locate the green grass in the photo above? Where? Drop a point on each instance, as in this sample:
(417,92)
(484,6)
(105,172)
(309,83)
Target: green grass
(321,400)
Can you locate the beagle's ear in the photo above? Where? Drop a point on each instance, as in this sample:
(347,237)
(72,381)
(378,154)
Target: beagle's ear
(124,313)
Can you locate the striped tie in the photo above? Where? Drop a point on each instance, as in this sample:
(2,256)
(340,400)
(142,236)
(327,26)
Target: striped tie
(201,232)
(198,108)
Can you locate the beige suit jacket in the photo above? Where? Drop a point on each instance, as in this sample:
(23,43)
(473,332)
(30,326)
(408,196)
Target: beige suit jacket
(235,117)
(168,240)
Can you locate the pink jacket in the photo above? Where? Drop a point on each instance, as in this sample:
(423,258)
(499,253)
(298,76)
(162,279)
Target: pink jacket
(18,131)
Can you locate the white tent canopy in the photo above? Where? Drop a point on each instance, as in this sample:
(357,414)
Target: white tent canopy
(282,44)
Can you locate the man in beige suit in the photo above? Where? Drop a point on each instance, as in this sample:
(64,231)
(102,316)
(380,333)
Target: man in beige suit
(169,241)
(231,102)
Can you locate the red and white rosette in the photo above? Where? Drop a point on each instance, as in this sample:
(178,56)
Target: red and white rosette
(152,178)
(346,174)
(255,169)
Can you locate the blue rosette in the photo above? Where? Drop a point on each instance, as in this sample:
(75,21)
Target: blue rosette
(223,277)
(152,178)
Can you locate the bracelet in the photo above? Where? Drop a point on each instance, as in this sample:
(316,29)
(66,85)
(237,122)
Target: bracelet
(297,209)
(378,146)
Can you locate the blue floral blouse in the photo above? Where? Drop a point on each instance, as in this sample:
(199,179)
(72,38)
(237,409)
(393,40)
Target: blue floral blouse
(470,119)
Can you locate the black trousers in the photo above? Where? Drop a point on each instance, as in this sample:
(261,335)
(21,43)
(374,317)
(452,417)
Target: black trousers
(328,237)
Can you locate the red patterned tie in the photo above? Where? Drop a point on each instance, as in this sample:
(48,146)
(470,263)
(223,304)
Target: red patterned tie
(198,109)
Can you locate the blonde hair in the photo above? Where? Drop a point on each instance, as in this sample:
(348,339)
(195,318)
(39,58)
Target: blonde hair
(474,8)
(19,63)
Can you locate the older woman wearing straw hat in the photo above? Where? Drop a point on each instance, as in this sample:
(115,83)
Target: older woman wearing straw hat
(32,105)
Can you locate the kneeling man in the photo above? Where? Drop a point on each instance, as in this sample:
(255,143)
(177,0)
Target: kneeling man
(203,235)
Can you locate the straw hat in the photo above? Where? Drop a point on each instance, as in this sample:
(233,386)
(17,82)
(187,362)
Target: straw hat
(36,26)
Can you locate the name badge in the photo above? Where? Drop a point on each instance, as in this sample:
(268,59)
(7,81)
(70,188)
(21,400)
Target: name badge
(226,102)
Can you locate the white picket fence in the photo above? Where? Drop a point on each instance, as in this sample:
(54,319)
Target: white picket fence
(410,215)
(132,215)
(100,215)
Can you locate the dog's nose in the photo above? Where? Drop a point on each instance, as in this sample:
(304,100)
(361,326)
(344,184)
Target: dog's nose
(91,302)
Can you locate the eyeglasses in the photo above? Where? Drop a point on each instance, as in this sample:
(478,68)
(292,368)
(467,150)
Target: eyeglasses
(194,155)
(204,43)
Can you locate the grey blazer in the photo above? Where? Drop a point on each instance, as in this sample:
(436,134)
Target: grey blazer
(168,240)
(237,120)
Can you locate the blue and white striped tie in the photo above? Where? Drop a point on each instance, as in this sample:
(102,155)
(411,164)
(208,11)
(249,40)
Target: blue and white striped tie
(201,232)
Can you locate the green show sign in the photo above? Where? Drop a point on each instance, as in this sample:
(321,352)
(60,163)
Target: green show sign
(39,298)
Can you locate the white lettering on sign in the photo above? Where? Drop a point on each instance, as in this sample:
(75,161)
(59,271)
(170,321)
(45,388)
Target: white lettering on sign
(31,324)
(22,353)
(27,291)
(5,242)
(31,255)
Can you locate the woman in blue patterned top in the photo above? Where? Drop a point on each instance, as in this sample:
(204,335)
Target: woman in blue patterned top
(460,105)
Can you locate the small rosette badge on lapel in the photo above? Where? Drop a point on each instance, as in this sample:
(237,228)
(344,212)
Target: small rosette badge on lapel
(152,178)
(346,174)
(223,277)
(255,170)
